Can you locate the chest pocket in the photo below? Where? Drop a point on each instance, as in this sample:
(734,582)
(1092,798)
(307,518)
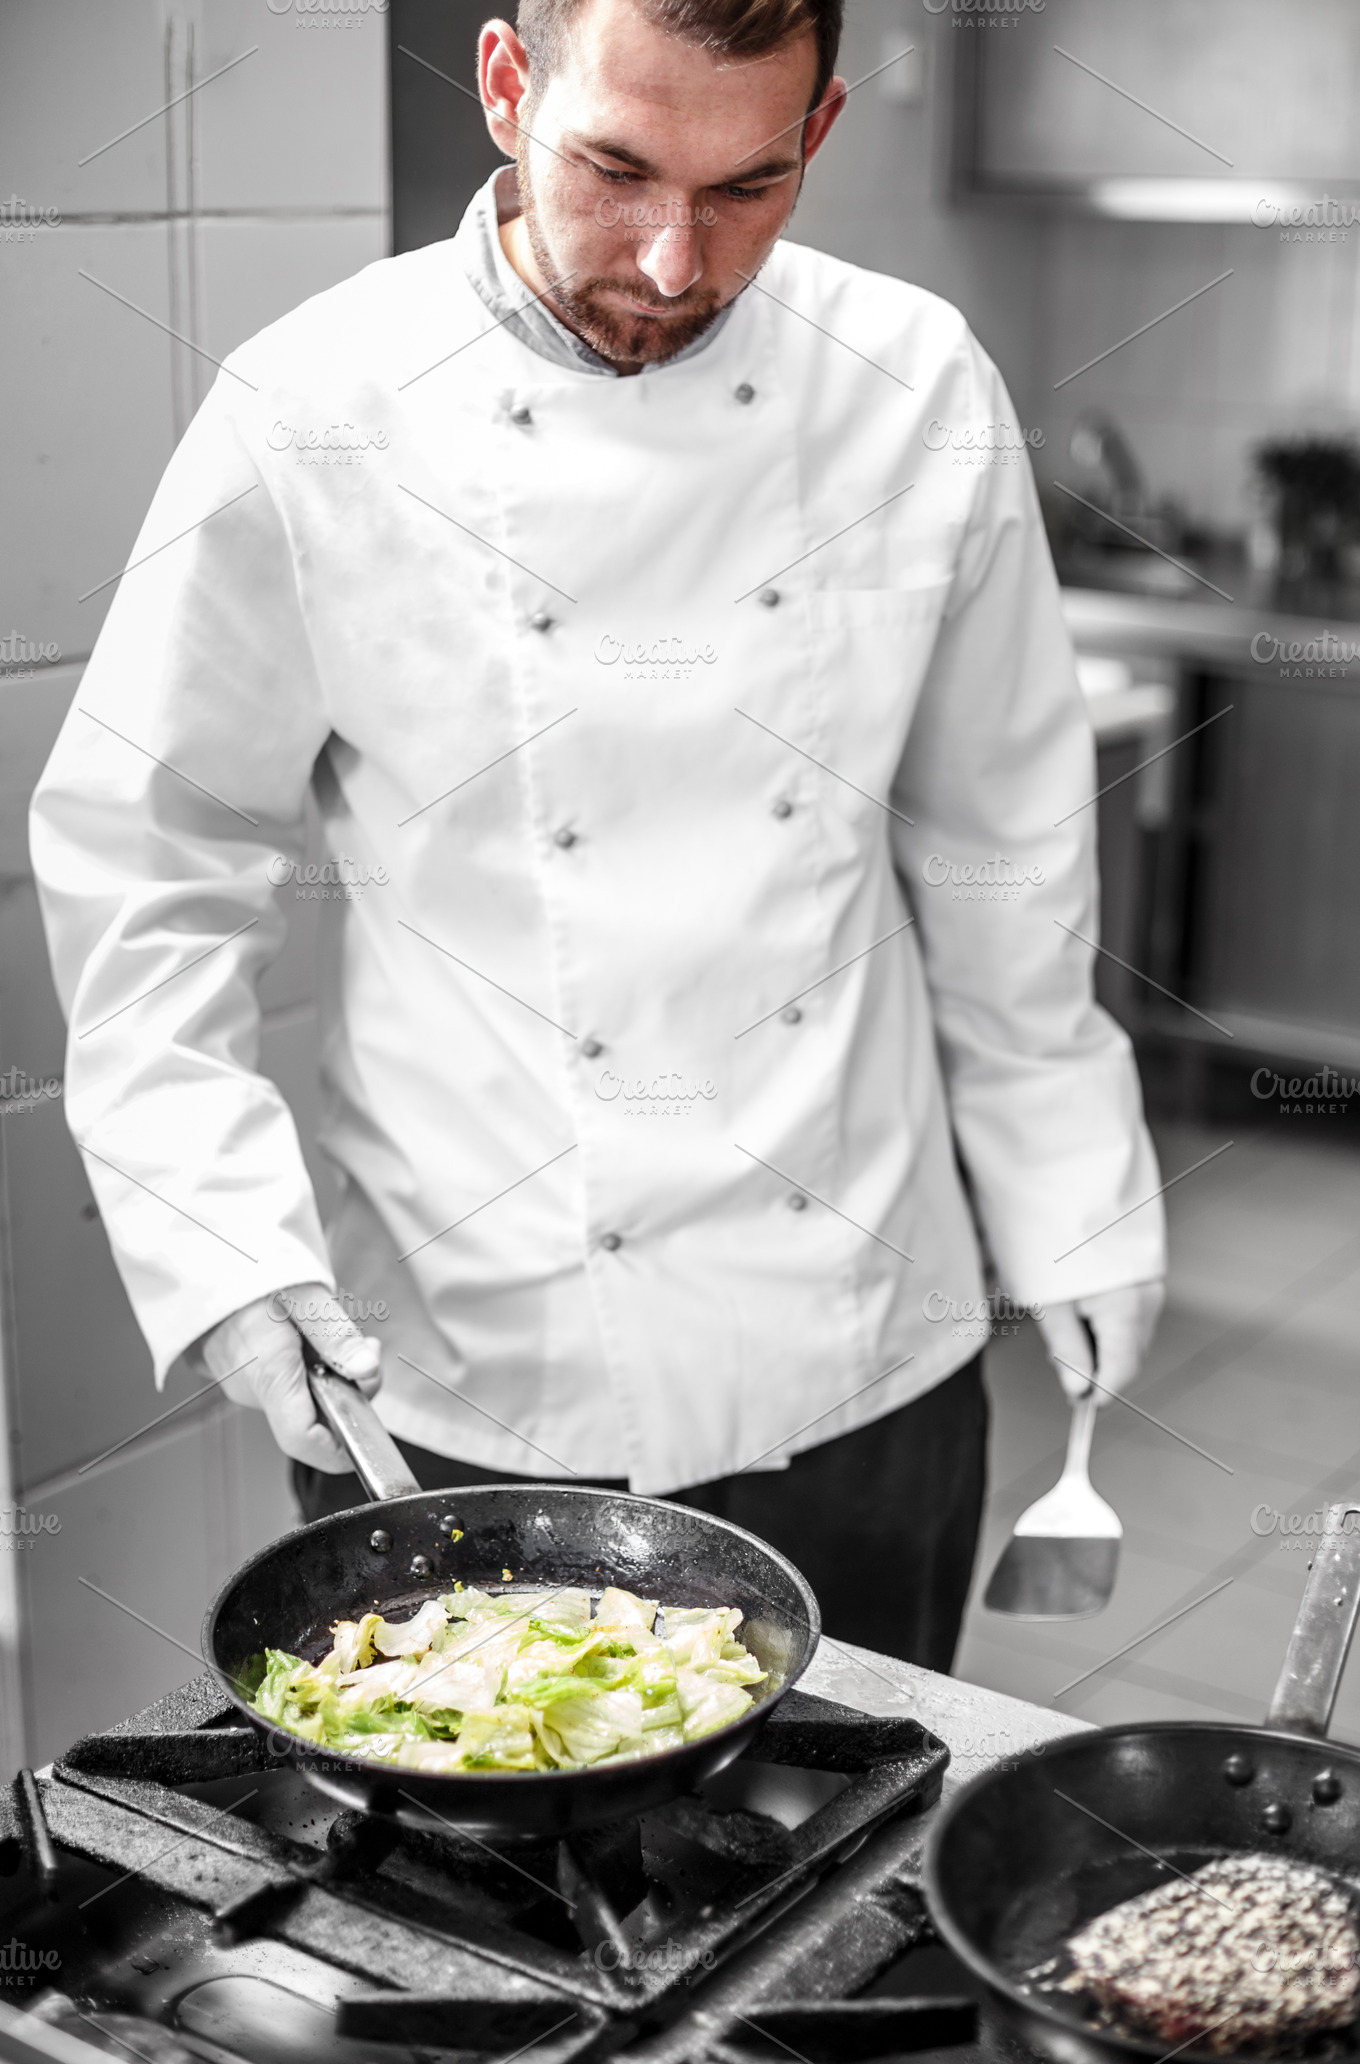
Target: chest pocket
(871,651)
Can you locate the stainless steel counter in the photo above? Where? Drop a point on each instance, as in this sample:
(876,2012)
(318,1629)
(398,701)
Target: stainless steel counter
(1250,838)
(980,1727)
(1239,636)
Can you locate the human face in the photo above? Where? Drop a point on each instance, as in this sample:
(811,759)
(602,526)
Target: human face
(654,177)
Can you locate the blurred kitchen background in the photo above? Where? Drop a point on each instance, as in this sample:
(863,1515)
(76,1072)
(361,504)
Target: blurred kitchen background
(1144,209)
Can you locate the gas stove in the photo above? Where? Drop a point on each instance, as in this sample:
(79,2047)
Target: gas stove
(172,1892)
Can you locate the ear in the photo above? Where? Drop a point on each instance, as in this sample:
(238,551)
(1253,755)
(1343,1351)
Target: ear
(503,78)
(818,124)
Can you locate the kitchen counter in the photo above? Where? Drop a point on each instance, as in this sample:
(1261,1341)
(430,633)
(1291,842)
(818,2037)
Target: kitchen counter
(980,1727)
(1239,628)
(1244,922)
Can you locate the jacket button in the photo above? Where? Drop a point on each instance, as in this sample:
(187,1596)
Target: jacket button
(783,808)
(540,621)
(565,837)
(746,392)
(769,596)
(611,1242)
(521,415)
(791,1015)
(797,1202)
(591,1048)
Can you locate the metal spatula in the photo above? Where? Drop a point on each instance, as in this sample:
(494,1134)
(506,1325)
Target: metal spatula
(1060,1562)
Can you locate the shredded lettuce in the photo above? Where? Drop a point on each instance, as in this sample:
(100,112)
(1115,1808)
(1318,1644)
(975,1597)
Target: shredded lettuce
(621,1609)
(413,1636)
(516,1680)
(353,1643)
(706,1704)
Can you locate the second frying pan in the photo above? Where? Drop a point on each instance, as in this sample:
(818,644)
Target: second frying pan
(1026,1854)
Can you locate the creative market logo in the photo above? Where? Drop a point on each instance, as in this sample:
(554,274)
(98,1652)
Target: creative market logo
(21,1092)
(20,657)
(984,14)
(319,1310)
(337,444)
(653,659)
(21,1964)
(669,1095)
(327,14)
(1323,1094)
(668,1959)
(1323,657)
(646,220)
(20,1528)
(340,879)
(20,221)
(1302,1531)
(978,1318)
(996,880)
(981,444)
(1323,221)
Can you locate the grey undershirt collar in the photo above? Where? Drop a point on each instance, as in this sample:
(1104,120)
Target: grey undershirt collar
(494,278)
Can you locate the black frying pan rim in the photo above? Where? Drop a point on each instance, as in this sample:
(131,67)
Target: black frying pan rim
(307,1751)
(1234,1731)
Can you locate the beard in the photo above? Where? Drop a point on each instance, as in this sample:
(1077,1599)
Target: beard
(621,338)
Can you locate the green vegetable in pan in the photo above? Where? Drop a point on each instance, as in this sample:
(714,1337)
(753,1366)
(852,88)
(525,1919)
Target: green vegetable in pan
(523,1680)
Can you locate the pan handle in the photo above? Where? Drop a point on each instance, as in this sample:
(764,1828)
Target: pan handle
(1317,1650)
(377,1458)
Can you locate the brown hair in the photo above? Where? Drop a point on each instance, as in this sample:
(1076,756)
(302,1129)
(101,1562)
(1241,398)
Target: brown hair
(727,28)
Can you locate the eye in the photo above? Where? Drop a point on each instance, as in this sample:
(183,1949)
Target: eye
(611,175)
(744,193)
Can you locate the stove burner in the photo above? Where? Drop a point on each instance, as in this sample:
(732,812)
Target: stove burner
(177,1878)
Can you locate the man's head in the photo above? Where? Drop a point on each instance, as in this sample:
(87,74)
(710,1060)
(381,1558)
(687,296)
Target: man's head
(660,145)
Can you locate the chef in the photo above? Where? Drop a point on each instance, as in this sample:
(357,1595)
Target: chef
(705,1014)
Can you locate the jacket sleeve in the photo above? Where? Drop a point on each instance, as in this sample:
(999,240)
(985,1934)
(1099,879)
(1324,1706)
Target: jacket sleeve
(175,789)
(998,776)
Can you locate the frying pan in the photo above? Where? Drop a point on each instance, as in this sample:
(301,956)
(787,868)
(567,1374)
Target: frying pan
(1025,1855)
(394,1554)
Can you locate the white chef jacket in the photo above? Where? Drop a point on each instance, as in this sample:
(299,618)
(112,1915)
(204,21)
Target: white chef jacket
(697,753)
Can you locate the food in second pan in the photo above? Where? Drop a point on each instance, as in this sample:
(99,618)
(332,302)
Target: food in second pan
(1250,1953)
(525,1680)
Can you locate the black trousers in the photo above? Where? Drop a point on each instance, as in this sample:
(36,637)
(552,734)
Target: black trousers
(883,1522)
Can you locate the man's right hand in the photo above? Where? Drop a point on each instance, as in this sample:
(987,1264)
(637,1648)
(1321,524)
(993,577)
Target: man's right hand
(258,1352)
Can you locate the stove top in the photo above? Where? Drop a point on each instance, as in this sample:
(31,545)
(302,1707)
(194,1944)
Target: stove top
(172,1891)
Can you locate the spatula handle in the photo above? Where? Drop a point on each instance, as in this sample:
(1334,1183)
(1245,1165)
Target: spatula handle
(1079,1435)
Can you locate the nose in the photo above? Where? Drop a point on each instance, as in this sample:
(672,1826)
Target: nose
(672,261)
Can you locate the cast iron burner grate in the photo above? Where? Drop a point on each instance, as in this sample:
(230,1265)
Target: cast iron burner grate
(180,1894)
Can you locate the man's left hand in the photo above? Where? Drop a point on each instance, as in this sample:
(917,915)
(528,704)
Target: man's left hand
(1122,1323)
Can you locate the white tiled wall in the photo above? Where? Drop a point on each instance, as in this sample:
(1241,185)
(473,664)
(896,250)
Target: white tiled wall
(877,193)
(267,184)
(1272,351)
(84,451)
(301,125)
(75,73)
(158,1528)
